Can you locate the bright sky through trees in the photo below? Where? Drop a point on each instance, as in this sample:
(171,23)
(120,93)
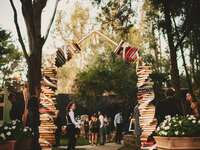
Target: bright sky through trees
(6,19)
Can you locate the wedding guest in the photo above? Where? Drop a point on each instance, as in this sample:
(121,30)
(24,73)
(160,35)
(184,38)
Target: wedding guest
(86,128)
(193,105)
(118,123)
(101,129)
(94,127)
(72,126)
(168,106)
(17,108)
(107,128)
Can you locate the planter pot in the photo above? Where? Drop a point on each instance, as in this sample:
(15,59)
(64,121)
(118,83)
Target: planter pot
(129,140)
(23,144)
(8,145)
(181,143)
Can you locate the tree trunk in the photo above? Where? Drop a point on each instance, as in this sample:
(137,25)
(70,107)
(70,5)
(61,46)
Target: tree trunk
(173,55)
(188,77)
(175,78)
(34,75)
(192,58)
(160,48)
(34,79)
(155,48)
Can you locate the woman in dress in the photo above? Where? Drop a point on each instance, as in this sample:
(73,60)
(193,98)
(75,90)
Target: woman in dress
(86,128)
(107,128)
(94,129)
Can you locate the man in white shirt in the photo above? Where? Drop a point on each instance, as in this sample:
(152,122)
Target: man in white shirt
(101,129)
(73,121)
(72,126)
(118,122)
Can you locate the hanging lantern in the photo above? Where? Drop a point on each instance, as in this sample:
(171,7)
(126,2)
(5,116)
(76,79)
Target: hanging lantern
(127,52)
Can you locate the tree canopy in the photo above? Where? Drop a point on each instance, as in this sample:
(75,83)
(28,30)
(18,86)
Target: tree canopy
(73,28)
(9,55)
(116,17)
(107,75)
(178,20)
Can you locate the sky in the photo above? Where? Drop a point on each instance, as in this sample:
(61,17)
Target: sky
(7,22)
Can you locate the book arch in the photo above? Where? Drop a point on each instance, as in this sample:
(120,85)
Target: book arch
(146,110)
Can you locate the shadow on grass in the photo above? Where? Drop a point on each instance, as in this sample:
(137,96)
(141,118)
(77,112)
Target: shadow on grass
(80,142)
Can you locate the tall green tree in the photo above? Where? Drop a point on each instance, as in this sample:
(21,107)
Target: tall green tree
(75,27)
(32,15)
(69,30)
(107,74)
(9,56)
(178,21)
(182,33)
(164,9)
(116,17)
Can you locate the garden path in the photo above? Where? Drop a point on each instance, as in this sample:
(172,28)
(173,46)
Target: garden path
(107,146)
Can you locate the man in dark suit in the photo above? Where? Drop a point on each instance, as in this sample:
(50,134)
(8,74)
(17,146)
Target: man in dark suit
(62,100)
(168,106)
(18,105)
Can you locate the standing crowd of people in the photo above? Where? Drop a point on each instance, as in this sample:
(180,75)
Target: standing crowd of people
(98,128)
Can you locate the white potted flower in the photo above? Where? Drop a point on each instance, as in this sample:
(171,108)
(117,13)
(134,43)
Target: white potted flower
(178,132)
(7,136)
(13,135)
(24,139)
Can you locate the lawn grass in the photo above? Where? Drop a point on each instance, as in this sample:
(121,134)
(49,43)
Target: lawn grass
(80,141)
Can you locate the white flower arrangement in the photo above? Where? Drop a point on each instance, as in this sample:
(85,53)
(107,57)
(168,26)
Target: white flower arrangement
(8,133)
(27,132)
(5,128)
(27,129)
(179,126)
(2,135)
(14,130)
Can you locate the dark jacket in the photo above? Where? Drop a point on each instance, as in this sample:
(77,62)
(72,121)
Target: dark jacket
(168,106)
(17,108)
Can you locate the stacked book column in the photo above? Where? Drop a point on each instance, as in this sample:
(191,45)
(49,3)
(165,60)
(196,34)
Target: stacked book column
(47,108)
(145,96)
